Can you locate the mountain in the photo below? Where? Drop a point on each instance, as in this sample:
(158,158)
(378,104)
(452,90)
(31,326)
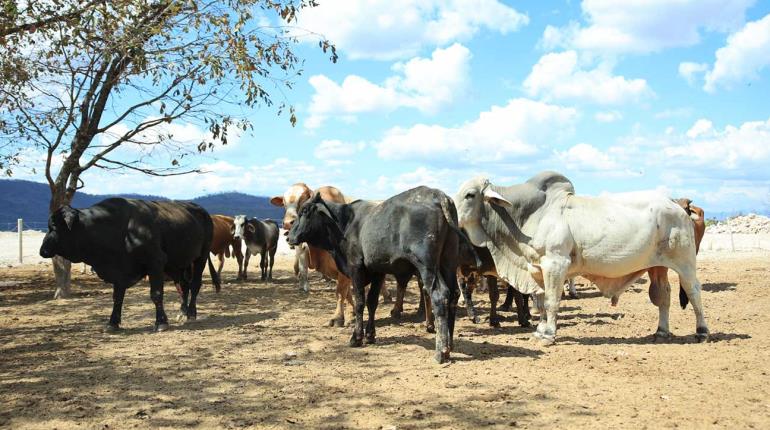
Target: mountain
(29,200)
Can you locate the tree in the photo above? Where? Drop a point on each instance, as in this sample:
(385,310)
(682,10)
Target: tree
(96,84)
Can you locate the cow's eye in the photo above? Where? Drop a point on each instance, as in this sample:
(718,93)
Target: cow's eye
(470,195)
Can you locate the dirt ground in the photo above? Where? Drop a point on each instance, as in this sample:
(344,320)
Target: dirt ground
(259,356)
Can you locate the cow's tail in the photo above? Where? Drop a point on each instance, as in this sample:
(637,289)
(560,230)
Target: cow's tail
(450,213)
(214,275)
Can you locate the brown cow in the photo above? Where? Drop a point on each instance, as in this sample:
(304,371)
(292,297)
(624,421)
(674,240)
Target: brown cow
(660,290)
(222,239)
(310,257)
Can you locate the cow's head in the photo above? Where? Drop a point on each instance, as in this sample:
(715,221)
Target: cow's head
(315,224)
(292,200)
(61,237)
(239,226)
(470,200)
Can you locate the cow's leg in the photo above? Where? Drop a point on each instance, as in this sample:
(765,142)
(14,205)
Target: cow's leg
(272,261)
(522,307)
(372,300)
(156,294)
(343,292)
(689,282)
(386,296)
(439,299)
(398,306)
(660,296)
(302,267)
(449,275)
(246,257)
(510,296)
(554,269)
(221,258)
(571,288)
(494,296)
(195,287)
(467,288)
(359,287)
(425,294)
(263,264)
(238,257)
(118,293)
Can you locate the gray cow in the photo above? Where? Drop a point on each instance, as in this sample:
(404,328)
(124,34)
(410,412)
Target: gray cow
(260,237)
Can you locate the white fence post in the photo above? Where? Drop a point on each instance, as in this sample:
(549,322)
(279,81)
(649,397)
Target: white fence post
(20,228)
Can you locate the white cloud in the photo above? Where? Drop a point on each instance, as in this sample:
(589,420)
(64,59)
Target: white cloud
(425,84)
(744,56)
(615,27)
(501,133)
(586,157)
(558,76)
(608,116)
(689,70)
(392,29)
(336,152)
(743,150)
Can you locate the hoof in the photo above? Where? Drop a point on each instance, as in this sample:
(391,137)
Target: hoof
(547,340)
(356,343)
(475,319)
(494,322)
(192,318)
(161,327)
(430,329)
(702,334)
(112,328)
(395,314)
(662,335)
(336,322)
(441,357)
(525,324)
(370,339)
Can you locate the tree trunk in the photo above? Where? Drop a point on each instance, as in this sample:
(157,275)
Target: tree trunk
(60,196)
(62,272)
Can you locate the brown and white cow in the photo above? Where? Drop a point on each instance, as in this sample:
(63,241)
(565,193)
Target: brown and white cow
(222,239)
(310,257)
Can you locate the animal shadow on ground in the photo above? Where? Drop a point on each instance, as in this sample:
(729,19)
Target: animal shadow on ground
(718,287)
(649,339)
(475,351)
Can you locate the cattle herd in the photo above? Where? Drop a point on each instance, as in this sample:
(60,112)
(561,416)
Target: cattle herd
(532,237)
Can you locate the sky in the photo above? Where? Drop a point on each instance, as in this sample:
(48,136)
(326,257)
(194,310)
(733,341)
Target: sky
(616,95)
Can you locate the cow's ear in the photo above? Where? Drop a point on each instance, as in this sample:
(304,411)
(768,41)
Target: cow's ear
(495,198)
(316,198)
(70,216)
(277,201)
(250,227)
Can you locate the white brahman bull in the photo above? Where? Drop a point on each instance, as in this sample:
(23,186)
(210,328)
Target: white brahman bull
(543,230)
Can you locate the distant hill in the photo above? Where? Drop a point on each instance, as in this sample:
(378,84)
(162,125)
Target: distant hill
(29,200)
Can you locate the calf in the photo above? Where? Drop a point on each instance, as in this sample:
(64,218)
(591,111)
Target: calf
(126,239)
(311,257)
(260,237)
(414,232)
(470,272)
(223,239)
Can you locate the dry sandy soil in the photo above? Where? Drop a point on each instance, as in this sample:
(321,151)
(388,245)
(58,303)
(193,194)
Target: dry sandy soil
(260,357)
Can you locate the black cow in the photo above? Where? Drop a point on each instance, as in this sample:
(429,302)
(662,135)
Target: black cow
(125,240)
(412,233)
(260,237)
(470,274)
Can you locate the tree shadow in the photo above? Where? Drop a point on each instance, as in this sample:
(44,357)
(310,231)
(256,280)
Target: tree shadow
(650,339)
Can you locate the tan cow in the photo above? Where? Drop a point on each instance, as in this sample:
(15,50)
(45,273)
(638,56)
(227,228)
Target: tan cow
(222,239)
(310,257)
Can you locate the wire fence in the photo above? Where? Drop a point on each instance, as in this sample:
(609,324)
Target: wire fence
(27,225)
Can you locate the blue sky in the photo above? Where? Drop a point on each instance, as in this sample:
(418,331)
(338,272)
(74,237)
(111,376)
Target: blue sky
(618,96)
